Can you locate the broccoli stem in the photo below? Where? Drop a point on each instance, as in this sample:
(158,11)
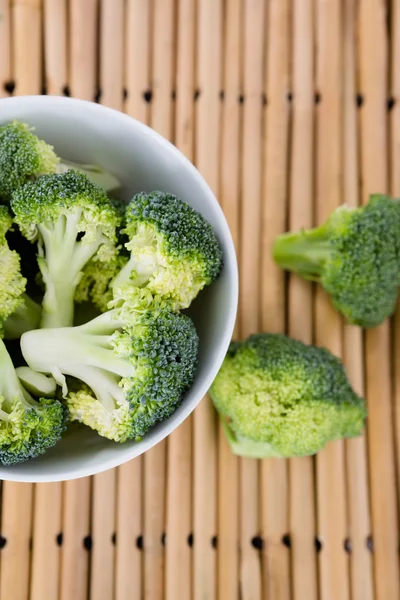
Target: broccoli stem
(245,447)
(97,175)
(304,252)
(137,274)
(36,383)
(26,317)
(58,305)
(68,349)
(61,268)
(103,384)
(10,386)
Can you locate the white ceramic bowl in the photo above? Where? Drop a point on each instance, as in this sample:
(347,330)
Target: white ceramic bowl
(142,160)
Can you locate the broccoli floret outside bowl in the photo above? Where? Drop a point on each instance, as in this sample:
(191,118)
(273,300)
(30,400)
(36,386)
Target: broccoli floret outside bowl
(84,134)
(354,255)
(278,397)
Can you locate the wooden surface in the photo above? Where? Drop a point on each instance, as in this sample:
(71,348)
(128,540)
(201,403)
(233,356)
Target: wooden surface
(288,108)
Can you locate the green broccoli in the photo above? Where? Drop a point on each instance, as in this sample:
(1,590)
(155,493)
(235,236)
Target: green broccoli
(94,285)
(18,312)
(354,255)
(22,157)
(278,397)
(173,249)
(131,365)
(27,427)
(72,220)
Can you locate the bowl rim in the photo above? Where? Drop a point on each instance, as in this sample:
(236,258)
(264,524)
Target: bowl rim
(164,430)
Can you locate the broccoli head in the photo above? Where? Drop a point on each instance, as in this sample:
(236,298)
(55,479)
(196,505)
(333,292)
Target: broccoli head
(18,313)
(72,221)
(130,366)
(28,427)
(354,255)
(23,156)
(279,397)
(173,249)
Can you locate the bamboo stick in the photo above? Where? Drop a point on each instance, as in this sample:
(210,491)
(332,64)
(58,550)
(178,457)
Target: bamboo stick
(45,553)
(55,46)
(103,528)
(5,46)
(331,484)
(394,130)
(76,526)
(274,511)
(207,152)
(155,459)
(228,464)
(83,51)
(178,559)
(300,322)
(129,556)
(27,46)
(253,55)
(138,58)
(16,528)
(361,582)
(112,52)
(128,563)
(374,161)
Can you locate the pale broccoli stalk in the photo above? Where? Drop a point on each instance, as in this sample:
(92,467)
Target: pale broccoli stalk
(72,220)
(131,365)
(36,383)
(173,249)
(25,317)
(27,427)
(104,179)
(354,255)
(278,397)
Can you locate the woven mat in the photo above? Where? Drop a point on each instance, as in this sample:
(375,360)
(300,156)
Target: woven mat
(288,108)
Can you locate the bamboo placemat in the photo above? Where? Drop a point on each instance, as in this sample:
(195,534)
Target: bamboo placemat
(289,108)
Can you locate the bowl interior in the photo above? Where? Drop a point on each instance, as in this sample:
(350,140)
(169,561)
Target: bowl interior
(142,160)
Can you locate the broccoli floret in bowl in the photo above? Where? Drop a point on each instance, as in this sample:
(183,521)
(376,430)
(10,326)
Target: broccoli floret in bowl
(28,427)
(278,397)
(173,249)
(135,363)
(18,312)
(72,220)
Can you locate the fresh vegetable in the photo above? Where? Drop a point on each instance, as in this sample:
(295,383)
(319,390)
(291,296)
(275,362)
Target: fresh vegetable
(173,249)
(278,397)
(18,312)
(72,221)
(23,156)
(354,255)
(28,427)
(131,365)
